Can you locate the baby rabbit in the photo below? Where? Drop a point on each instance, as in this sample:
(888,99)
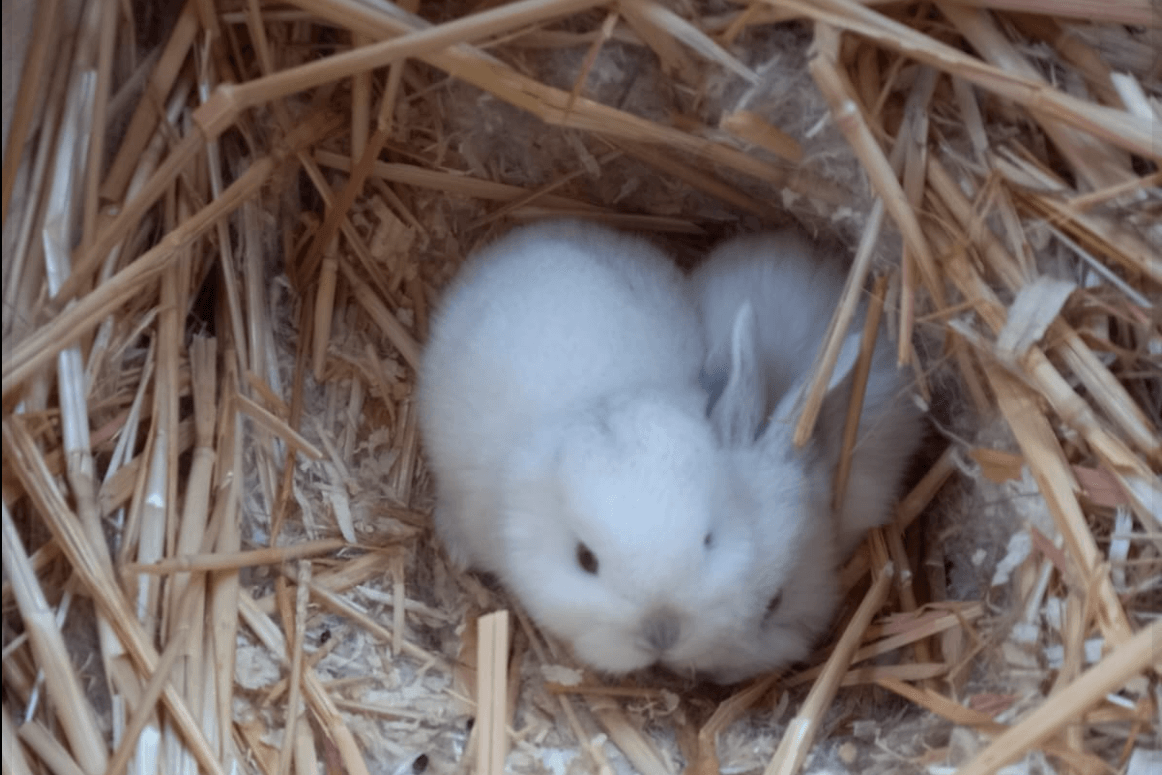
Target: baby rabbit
(766,301)
(566,430)
(773,296)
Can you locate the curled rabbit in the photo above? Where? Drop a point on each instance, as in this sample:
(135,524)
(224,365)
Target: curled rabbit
(765,303)
(566,431)
(792,291)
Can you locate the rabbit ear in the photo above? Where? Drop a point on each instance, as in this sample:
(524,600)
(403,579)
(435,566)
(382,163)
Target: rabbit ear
(739,410)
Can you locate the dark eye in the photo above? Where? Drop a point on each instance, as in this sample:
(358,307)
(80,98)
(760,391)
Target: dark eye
(773,604)
(586,559)
(708,541)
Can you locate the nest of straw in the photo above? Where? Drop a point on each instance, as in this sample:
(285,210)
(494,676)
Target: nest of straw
(225,225)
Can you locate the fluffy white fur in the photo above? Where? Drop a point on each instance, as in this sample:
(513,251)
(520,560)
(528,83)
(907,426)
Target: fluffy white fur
(765,303)
(793,291)
(560,405)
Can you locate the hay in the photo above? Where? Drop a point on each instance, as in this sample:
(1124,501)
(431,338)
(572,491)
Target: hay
(224,231)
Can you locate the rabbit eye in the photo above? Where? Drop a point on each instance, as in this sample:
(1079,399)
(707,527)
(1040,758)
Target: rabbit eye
(708,541)
(773,604)
(586,559)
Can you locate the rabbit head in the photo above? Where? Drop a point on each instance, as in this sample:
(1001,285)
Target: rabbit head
(614,537)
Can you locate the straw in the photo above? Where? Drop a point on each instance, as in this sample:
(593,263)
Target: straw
(229,101)
(18,448)
(296,659)
(491,680)
(1133,12)
(15,762)
(48,749)
(74,712)
(555,106)
(35,58)
(224,253)
(858,388)
(1115,126)
(226,561)
(1047,463)
(320,702)
(1128,659)
(801,730)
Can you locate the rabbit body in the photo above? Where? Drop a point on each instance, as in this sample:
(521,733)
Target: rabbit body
(565,428)
(794,291)
(765,303)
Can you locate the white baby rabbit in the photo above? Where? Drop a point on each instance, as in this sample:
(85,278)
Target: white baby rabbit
(788,291)
(766,301)
(789,598)
(566,431)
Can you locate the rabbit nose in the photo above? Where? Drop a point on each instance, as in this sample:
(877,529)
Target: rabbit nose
(661,629)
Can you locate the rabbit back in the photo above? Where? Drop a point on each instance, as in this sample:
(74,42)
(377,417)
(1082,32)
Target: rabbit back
(548,318)
(793,296)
